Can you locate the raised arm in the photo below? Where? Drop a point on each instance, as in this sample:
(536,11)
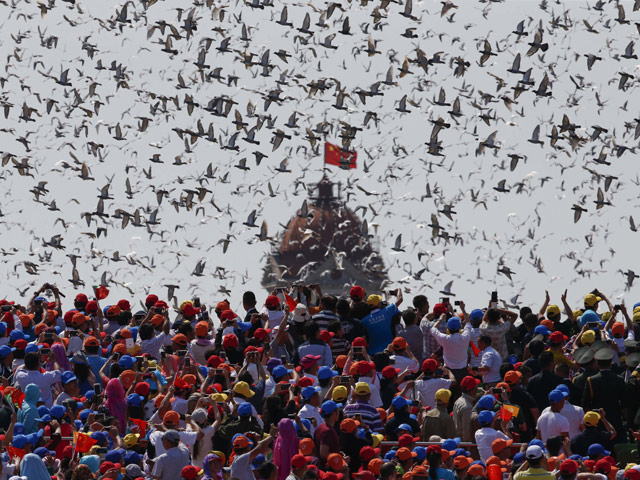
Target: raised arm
(543,309)
(567,309)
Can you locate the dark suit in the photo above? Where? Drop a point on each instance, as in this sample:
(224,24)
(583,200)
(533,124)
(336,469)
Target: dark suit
(607,390)
(580,381)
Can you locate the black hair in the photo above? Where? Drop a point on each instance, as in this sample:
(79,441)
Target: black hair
(546,359)
(343,307)
(504,368)
(534,462)
(536,347)
(311,475)
(360,310)
(409,316)
(329,302)
(434,459)
(387,469)
(334,326)
(82,371)
(493,315)
(381,360)
(267,469)
(524,311)
(146,331)
(530,320)
(249,298)
(420,301)
(486,339)
(32,361)
(311,329)
(554,445)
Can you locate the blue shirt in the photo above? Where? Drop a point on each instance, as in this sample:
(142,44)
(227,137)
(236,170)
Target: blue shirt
(444,474)
(96,363)
(378,327)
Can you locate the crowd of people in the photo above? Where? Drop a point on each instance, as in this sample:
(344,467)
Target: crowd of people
(301,385)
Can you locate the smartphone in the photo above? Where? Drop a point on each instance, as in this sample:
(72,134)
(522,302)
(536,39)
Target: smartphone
(445,300)
(187,362)
(45,351)
(181,353)
(139,358)
(196,302)
(475,369)
(411,376)
(129,344)
(48,336)
(96,388)
(218,371)
(72,333)
(457,303)
(357,349)
(494,299)
(158,309)
(6,308)
(592,325)
(37,302)
(345,379)
(102,450)
(617,307)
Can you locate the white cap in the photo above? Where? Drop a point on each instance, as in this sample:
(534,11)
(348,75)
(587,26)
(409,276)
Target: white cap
(534,451)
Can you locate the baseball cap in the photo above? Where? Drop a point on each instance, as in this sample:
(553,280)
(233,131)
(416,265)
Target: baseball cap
(240,441)
(485,417)
(309,360)
(340,393)
(512,376)
(461,462)
(439,309)
(443,395)
(557,338)
(171,435)
(202,329)
(534,452)
(486,402)
(180,339)
(590,300)
(399,402)
(553,310)
(500,444)
(326,372)
(299,461)
(67,377)
(261,333)
(469,383)
(308,392)
(190,472)
(356,292)
(6,350)
(399,343)
(374,300)
(329,406)
(588,337)
(171,419)
(348,425)
(272,301)
(476,315)
(130,439)
(362,388)
(453,324)
(243,389)
(81,298)
(405,454)
(245,410)
(591,419)
(556,396)
(280,371)
(133,471)
(569,467)
(541,330)
(389,371)
(596,449)
(429,365)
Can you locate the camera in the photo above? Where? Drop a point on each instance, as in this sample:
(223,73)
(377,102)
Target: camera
(457,303)
(6,308)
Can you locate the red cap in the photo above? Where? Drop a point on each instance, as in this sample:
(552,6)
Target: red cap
(222,306)
(142,388)
(365,367)
(602,466)
(272,301)
(230,341)
(262,333)
(124,305)
(429,365)
(367,453)
(113,310)
(469,383)
(632,474)
(189,310)
(106,466)
(305,382)
(389,371)
(151,300)
(356,292)
(213,361)
(326,335)
(91,306)
(439,309)
(81,298)
(190,472)
(359,342)
(570,467)
(557,337)
(299,461)
(228,315)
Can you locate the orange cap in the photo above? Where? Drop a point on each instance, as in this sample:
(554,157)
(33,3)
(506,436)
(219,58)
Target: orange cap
(399,343)
(306,446)
(336,462)
(512,376)
(127,378)
(120,348)
(202,329)
(157,320)
(341,360)
(171,419)
(180,339)
(39,328)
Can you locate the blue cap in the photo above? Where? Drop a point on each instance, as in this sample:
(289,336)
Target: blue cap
(6,350)
(399,402)
(89,394)
(43,452)
(539,443)
(555,396)
(518,458)
(100,436)
(134,399)
(42,410)
(280,371)
(329,407)
(541,330)
(306,422)
(46,418)
(564,389)
(390,455)
(308,392)
(421,453)
(84,414)
(16,335)
(245,410)
(34,438)
(453,324)
(450,444)
(485,417)
(78,424)
(40,299)
(404,426)
(476,315)
(131,457)
(19,429)
(19,441)
(461,451)
(326,372)
(596,449)
(576,457)
(258,461)
(114,456)
(57,411)
(68,377)
(3,328)
(244,326)
(126,361)
(589,316)
(32,347)
(486,402)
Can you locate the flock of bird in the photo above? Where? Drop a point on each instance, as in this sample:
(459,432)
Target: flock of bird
(496,140)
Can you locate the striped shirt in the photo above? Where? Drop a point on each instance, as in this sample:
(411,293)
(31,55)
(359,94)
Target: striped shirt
(340,346)
(323,318)
(369,414)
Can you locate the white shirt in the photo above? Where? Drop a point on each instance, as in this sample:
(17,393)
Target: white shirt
(551,424)
(153,345)
(241,467)
(454,347)
(402,362)
(374,385)
(155,437)
(45,382)
(574,416)
(473,360)
(484,438)
(492,360)
(309,411)
(205,446)
(427,389)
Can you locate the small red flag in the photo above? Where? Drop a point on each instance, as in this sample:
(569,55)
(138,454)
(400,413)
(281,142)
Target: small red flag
(334,155)
(16,452)
(507,412)
(290,301)
(476,352)
(84,442)
(141,424)
(102,292)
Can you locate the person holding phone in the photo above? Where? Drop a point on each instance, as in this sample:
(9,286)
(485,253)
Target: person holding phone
(496,324)
(490,363)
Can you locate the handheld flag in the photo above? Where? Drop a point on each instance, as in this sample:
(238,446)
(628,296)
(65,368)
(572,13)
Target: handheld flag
(475,349)
(507,412)
(101,291)
(141,424)
(290,301)
(334,155)
(83,442)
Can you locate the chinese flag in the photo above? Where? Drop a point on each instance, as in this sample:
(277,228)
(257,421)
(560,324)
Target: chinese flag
(101,292)
(14,396)
(16,452)
(476,352)
(290,301)
(507,412)
(141,424)
(334,155)
(83,442)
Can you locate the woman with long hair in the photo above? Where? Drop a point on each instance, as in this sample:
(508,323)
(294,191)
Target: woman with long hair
(434,458)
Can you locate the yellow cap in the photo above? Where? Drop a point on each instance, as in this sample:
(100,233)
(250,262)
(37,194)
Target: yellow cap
(362,388)
(219,397)
(553,310)
(443,395)
(374,300)
(588,337)
(591,419)
(131,439)
(340,394)
(243,389)
(606,316)
(590,300)
(377,438)
(636,315)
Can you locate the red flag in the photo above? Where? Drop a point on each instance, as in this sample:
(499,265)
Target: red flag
(476,352)
(16,452)
(141,424)
(14,395)
(290,301)
(334,155)
(101,292)
(84,442)
(507,412)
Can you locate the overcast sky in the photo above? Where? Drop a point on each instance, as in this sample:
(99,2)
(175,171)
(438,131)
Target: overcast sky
(516,229)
